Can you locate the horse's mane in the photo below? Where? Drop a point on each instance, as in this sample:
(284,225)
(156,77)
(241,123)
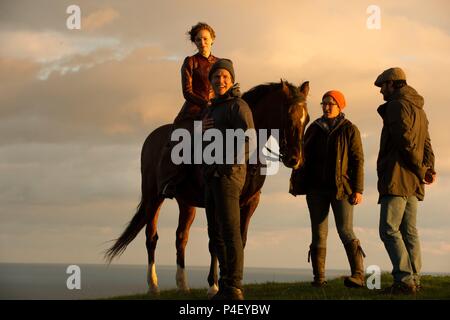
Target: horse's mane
(253,95)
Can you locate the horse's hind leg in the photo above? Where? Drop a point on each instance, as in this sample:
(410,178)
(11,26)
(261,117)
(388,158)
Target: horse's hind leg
(186,217)
(151,240)
(213,272)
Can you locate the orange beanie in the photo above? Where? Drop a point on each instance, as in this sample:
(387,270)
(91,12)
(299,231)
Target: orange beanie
(337,96)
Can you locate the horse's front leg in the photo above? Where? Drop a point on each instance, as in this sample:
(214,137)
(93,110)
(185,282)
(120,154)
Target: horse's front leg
(213,274)
(186,217)
(246,213)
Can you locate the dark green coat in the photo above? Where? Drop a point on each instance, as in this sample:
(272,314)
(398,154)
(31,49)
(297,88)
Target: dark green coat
(405,147)
(347,159)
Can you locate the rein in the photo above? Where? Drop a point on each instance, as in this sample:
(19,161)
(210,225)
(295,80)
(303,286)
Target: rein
(282,138)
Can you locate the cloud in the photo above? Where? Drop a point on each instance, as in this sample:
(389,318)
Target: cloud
(55,51)
(49,46)
(99,18)
(114,100)
(75,108)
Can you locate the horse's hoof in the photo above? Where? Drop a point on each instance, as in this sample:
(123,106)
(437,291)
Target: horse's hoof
(212,291)
(181,279)
(153,291)
(184,289)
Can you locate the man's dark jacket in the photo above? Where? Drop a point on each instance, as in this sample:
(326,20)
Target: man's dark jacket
(405,147)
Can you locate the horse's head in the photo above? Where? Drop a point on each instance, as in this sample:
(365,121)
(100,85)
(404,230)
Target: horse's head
(294,118)
(282,106)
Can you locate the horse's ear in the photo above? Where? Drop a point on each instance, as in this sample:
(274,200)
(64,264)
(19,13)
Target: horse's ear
(304,88)
(285,88)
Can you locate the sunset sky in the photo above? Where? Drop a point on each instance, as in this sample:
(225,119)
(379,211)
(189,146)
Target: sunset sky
(77,105)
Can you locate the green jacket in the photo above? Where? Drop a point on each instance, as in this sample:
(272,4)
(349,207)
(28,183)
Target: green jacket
(347,159)
(405,147)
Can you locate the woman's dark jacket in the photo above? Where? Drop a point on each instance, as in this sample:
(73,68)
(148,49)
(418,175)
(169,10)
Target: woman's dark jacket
(334,159)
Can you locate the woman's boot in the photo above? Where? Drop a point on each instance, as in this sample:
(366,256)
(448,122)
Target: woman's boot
(355,256)
(317,257)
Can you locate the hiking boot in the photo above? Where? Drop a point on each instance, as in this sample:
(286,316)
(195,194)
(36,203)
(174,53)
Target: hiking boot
(417,283)
(233,293)
(319,283)
(317,258)
(398,288)
(229,293)
(355,256)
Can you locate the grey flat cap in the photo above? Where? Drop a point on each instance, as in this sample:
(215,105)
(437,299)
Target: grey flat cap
(390,74)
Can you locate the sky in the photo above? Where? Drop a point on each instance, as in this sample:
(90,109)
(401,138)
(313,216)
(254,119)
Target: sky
(77,105)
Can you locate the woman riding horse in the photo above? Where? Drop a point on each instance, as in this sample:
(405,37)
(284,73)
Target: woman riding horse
(197,92)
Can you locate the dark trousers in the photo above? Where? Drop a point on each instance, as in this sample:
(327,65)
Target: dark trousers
(224,224)
(319,207)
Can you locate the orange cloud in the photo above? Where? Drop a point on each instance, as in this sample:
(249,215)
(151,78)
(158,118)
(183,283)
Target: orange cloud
(98,19)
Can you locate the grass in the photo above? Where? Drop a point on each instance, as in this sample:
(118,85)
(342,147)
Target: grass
(434,287)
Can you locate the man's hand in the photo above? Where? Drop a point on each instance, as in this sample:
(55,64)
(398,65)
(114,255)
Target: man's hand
(207,122)
(430,177)
(355,198)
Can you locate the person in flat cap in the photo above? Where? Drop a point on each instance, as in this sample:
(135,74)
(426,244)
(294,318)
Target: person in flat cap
(224,181)
(332,175)
(405,165)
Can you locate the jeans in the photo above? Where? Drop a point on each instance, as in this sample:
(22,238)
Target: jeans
(400,237)
(319,207)
(224,224)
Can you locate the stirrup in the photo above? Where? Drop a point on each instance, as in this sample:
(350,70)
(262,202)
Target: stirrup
(166,193)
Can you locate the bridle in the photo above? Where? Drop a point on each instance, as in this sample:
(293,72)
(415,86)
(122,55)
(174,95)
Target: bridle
(283,138)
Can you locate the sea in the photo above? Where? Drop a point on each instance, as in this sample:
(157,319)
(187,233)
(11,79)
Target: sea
(27,281)
(39,281)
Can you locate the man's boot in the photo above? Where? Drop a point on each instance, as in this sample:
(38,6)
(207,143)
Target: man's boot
(355,256)
(317,257)
(229,293)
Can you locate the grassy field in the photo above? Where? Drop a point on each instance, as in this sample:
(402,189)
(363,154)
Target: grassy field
(434,287)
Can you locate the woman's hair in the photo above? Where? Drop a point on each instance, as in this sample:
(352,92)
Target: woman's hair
(198,27)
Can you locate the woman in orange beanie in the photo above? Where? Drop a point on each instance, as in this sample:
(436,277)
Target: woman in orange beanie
(332,175)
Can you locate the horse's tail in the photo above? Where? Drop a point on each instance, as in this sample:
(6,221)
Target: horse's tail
(150,154)
(131,231)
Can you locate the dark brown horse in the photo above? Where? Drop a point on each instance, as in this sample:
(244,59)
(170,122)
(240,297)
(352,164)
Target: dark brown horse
(279,106)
